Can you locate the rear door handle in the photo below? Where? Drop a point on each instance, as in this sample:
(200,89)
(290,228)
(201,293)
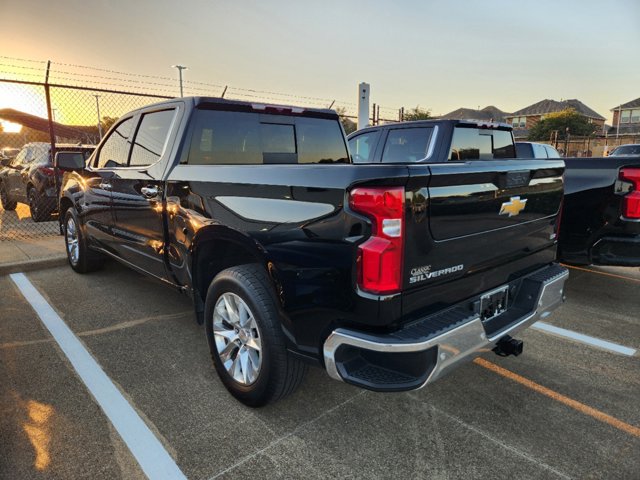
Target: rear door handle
(149,192)
(105,186)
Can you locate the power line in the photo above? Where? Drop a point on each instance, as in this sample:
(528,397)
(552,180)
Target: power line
(189,85)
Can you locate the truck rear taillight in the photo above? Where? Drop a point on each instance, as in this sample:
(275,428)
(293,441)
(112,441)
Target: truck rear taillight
(380,257)
(631,201)
(48,171)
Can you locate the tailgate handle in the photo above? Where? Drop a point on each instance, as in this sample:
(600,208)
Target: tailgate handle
(518,178)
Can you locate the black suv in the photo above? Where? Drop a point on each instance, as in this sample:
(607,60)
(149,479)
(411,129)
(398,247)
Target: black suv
(30,178)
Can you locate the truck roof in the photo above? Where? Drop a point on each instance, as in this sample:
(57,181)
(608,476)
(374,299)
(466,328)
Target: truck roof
(226,104)
(435,121)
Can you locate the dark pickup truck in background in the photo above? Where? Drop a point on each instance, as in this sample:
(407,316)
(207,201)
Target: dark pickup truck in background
(386,275)
(601,212)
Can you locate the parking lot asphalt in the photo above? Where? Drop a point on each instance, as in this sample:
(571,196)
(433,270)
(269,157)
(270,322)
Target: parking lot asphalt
(563,409)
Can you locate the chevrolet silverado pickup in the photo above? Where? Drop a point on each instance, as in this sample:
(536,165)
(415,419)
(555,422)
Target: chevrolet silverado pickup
(388,276)
(601,213)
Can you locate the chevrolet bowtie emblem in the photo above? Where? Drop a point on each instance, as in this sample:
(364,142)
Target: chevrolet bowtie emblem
(513,207)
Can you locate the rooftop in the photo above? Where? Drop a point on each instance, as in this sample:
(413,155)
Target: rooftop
(546,106)
(632,104)
(489,113)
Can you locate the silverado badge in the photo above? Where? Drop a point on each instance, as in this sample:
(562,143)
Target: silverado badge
(513,207)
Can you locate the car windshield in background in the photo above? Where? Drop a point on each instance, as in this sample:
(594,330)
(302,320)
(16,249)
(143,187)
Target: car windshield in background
(625,150)
(481,144)
(225,138)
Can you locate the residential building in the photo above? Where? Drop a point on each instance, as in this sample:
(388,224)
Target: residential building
(627,117)
(487,114)
(524,119)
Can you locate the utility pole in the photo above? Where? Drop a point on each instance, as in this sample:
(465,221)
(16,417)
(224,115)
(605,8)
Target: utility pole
(99,123)
(180,68)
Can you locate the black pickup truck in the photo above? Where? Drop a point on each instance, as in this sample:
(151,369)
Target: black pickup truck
(601,213)
(388,276)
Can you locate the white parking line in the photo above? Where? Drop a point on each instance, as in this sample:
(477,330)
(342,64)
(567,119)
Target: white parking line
(154,460)
(579,337)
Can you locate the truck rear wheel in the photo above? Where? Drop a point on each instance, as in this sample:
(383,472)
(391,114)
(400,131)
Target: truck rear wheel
(245,337)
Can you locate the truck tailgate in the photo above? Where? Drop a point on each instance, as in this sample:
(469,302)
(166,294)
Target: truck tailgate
(477,225)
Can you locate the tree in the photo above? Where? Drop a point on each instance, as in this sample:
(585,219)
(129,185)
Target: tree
(417,114)
(576,123)
(349,125)
(106,123)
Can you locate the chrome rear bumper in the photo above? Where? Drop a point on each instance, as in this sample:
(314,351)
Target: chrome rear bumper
(368,360)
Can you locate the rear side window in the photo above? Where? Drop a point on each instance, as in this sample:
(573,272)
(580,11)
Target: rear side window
(406,145)
(320,141)
(539,151)
(524,150)
(551,152)
(362,146)
(481,144)
(239,138)
(151,138)
(115,150)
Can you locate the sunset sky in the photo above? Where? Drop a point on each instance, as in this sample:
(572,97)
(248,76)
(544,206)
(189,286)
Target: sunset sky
(439,55)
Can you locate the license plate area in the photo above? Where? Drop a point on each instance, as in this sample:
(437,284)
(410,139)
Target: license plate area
(494,303)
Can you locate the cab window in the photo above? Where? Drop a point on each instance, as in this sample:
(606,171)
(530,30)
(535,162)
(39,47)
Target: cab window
(362,146)
(481,144)
(115,150)
(151,138)
(406,145)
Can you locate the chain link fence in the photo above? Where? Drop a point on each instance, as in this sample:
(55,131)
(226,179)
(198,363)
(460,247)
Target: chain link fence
(40,119)
(50,106)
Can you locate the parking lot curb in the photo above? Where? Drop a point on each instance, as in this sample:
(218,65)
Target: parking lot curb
(30,265)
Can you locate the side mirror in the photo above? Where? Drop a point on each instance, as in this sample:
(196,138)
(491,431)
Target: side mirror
(69,160)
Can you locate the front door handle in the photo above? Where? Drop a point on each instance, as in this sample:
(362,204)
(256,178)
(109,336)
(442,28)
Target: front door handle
(149,192)
(105,186)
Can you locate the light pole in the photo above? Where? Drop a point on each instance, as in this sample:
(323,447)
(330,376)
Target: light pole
(53,119)
(180,68)
(99,123)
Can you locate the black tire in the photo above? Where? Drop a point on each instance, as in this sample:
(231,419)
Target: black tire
(4,199)
(40,211)
(280,373)
(86,260)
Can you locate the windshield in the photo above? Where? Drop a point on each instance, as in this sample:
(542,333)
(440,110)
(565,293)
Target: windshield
(626,150)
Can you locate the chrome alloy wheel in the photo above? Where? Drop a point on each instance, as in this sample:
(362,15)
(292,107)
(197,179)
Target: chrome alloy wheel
(73,248)
(237,338)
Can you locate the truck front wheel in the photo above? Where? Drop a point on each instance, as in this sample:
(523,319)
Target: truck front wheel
(80,257)
(8,205)
(245,337)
